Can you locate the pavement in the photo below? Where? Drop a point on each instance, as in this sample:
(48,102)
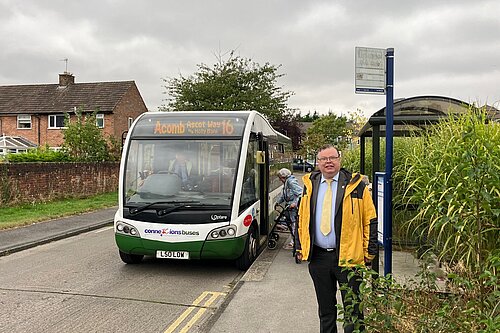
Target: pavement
(274,295)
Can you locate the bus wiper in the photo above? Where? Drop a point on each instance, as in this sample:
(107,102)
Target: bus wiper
(135,210)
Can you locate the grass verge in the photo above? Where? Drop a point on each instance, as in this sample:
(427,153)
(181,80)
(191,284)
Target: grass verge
(16,216)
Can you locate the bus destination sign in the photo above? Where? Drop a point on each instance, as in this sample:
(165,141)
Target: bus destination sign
(176,126)
(203,127)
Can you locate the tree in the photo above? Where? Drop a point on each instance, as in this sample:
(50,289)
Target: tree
(235,84)
(329,129)
(308,118)
(83,140)
(356,120)
(289,125)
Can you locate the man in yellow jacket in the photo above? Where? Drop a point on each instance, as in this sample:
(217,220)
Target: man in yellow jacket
(337,229)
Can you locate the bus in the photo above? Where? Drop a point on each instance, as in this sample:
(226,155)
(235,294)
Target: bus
(199,185)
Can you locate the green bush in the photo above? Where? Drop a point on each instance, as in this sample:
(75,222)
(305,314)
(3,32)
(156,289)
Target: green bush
(83,140)
(41,154)
(418,306)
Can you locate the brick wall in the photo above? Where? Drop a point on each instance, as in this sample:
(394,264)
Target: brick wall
(130,106)
(38,182)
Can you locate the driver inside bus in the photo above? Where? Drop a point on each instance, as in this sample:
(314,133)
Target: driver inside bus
(181,167)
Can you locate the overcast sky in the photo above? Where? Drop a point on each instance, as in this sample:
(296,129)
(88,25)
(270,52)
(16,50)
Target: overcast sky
(449,48)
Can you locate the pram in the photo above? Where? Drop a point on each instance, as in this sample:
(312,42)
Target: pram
(283,219)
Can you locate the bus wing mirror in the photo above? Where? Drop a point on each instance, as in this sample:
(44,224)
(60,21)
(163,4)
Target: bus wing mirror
(260,157)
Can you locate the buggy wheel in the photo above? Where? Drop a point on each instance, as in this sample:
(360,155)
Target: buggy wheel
(271,244)
(275,236)
(131,258)
(250,252)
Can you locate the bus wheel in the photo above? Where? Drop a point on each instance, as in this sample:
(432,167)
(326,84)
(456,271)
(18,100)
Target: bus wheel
(249,253)
(131,258)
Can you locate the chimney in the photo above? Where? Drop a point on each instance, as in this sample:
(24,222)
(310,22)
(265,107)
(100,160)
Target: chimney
(66,79)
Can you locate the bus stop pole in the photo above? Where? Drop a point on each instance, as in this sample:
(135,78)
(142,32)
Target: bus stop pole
(388,161)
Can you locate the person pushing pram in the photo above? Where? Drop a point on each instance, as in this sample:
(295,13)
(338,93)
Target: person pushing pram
(289,197)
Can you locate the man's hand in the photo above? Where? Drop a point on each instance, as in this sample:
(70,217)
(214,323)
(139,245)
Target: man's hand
(293,205)
(368,262)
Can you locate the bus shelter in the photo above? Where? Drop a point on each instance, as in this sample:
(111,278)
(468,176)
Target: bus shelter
(410,116)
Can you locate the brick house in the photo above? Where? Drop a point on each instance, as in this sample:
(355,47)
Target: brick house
(36,112)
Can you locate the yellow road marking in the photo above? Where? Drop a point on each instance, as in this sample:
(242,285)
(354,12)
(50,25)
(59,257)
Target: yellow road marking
(188,311)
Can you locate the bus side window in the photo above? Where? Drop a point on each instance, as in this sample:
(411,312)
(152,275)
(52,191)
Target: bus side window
(250,187)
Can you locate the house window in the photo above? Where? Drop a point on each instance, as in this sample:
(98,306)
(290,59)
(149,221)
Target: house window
(56,121)
(130,121)
(99,120)
(24,121)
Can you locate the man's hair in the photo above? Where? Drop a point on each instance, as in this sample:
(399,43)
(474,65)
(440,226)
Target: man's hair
(328,146)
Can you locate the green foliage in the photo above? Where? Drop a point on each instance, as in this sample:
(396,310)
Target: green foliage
(328,129)
(453,173)
(351,159)
(419,306)
(235,84)
(288,125)
(115,149)
(5,185)
(309,118)
(83,140)
(40,154)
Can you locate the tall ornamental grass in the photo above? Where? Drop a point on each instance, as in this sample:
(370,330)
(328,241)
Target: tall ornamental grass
(401,212)
(453,174)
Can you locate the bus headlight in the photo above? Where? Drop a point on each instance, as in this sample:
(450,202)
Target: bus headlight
(222,233)
(126,229)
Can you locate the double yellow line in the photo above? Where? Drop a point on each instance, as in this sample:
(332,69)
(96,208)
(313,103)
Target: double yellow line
(197,315)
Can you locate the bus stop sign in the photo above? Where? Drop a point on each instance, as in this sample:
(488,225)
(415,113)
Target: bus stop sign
(370,71)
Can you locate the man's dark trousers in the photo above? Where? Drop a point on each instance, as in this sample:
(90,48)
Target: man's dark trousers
(325,272)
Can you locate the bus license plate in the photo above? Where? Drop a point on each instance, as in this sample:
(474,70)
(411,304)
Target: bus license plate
(172,254)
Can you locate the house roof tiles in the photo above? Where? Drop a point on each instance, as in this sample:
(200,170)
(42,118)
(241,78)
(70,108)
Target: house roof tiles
(54,98)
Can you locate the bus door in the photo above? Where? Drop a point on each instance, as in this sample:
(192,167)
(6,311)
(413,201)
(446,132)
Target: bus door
(265,223)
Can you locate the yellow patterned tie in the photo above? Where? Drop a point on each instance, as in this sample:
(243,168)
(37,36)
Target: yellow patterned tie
(326,212)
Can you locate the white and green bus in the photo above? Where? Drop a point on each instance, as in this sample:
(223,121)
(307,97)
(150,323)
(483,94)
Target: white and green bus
(199,185)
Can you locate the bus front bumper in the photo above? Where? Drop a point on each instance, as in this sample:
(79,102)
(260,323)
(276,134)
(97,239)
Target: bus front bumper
(209,249)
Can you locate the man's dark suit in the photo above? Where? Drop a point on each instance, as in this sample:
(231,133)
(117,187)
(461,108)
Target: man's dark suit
(323,266)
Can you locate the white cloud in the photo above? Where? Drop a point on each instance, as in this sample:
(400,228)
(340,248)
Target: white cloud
(446,48)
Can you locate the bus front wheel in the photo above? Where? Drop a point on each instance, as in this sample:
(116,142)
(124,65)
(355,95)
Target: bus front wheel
(131,258)
(250,252)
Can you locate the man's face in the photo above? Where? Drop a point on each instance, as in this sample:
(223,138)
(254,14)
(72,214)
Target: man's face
(329,162)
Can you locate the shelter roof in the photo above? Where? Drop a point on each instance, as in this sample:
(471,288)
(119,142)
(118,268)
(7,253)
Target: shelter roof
(414,113)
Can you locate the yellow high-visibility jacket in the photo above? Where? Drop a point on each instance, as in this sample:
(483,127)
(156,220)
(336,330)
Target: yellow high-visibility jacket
(355,221)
